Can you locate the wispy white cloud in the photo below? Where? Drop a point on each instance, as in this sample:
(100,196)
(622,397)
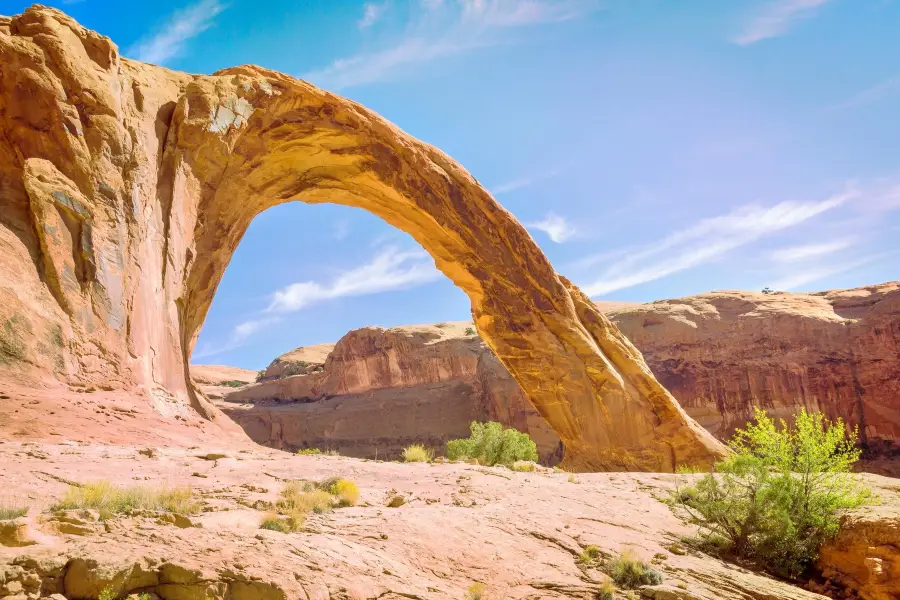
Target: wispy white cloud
(181,27)
(880,91)
(555,226)
(806,252)
(372,13)
(708,240)
(809,275)
(776,19)
(238,337)
(523,182)
(439,29)
(391,269)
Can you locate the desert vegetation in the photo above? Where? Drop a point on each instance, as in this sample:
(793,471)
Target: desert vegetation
(298,499)
(109,499)
(779,495)
(417,453)
(492,444)
(12,510)
(234,383)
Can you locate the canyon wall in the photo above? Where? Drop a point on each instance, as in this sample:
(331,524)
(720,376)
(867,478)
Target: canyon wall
(721,354)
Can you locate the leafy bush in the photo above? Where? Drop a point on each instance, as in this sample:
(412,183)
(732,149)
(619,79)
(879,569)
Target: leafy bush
(109,499)
(491,444)
(779,495)
(470,331)
(629,571)
(233,383)
(108,593)
(417,453)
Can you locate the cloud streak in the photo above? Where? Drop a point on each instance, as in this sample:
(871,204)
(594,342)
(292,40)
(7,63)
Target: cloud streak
(795,254)
(372,13)
(776,19)
(391,269)
(178,30)
(880,91)
(555,226)
(442,29)
(809,275)
(523,182)
(708,240)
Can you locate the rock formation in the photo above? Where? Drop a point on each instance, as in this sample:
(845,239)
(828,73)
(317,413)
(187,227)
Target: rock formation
(380,390)
(721,354)
(126,188)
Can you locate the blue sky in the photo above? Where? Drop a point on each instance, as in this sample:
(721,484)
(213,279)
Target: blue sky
(654,149)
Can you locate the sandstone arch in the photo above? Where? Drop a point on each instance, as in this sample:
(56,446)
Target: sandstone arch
(128,186)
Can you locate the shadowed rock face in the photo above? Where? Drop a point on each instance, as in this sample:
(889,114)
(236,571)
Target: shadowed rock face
(127,187)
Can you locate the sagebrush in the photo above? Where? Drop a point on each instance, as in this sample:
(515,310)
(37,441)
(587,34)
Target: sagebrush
(779,495)
(492,444)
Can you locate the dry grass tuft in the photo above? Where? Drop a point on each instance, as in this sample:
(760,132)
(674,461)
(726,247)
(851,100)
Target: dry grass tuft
(417,453)
(110,499)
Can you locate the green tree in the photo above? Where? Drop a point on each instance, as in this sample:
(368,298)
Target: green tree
(778,496)
(491,444)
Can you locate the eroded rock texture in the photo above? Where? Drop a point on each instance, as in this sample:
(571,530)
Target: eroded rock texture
(126,188)
(723,353)
(380,390)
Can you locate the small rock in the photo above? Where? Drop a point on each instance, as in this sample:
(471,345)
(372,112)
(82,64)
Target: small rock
(15,533)
(396,502)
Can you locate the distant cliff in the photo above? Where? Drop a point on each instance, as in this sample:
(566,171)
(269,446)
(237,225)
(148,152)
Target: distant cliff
(720,354)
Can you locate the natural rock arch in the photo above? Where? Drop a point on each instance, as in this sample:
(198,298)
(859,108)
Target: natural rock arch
(129,187)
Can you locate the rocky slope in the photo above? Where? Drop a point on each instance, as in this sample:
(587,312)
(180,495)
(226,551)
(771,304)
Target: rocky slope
(125,189)
(720,354)
(519,534)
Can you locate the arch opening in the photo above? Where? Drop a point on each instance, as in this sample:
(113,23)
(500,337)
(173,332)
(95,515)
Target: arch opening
(160,184)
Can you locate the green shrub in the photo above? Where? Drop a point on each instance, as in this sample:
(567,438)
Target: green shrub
(108,593)
(779,495)
(309,451)
(345,491)
(491,444)
(477,591)
(233,383)
(629,571)
(109,499)
(470,331)
(417,453)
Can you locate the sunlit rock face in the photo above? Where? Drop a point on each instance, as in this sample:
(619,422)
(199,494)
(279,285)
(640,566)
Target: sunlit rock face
(126,188)
(724,353)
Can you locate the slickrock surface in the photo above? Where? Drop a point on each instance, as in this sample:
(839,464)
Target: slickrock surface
(380,390)
(518,533)
(126,188)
